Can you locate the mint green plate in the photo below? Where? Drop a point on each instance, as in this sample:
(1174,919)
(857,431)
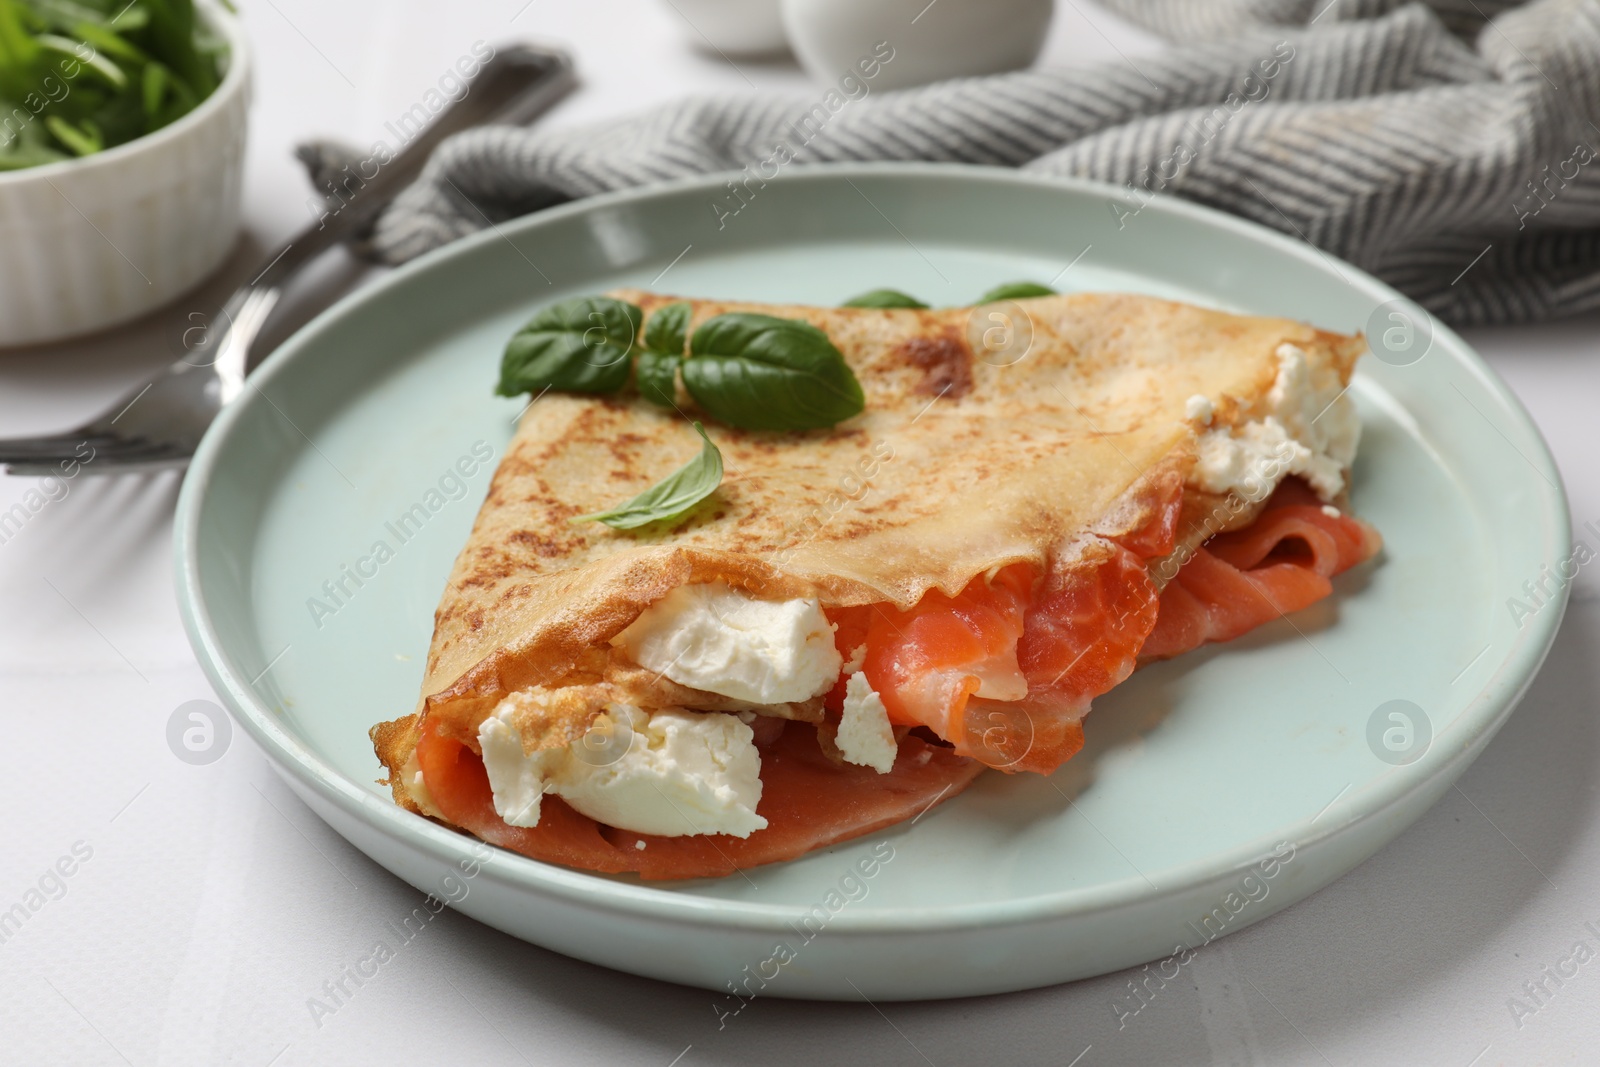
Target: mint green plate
(373,423)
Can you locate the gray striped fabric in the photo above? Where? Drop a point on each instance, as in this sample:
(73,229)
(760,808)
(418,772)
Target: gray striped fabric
(1449,149)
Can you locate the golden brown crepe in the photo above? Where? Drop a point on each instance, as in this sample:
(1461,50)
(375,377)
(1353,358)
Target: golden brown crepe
(966,459)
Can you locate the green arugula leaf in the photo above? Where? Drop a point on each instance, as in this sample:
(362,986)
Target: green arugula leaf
(104,39)
(759,372)
(670,497)
(154,88)
(172,31)
(666,328)
(84,142)
(1015,291)
(582,345)
(67,49)
(27,152)
(132,18)
(21,70)
(81,76)
(884,298)
(656,374)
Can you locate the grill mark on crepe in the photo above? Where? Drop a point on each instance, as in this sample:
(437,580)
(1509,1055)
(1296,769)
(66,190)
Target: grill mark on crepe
(628,449)
(542,544)
(945,360)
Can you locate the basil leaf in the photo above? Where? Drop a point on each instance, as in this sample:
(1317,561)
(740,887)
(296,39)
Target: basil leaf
(582,345)
(670,497)
(666,328)
(657,374)
(884,298)
(1015,291)
(759,372)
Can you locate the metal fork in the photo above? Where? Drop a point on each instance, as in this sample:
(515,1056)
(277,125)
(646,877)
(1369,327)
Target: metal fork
(160,423)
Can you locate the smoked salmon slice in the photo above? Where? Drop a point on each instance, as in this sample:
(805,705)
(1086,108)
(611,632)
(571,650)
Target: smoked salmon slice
(927,662)
(1005,670)
(808,801)
(1282,562)
(1081,637)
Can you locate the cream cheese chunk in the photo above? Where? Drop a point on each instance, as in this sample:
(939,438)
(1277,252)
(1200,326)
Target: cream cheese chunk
(1199,408)
(715,638)
(1311,429)
(865,736)
(670,773)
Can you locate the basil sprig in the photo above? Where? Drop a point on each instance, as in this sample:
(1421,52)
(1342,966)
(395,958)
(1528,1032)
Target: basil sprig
(1015,291)
(670,497)
(583,345)
(656,367)
(894,298)
(667,329)
(759,372)
(657,374)
(756,372)
(884,298)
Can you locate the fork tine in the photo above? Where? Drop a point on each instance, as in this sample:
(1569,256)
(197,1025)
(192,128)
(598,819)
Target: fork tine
(51,443)
(110,452)
(40,469)
(8,457)
(164,461)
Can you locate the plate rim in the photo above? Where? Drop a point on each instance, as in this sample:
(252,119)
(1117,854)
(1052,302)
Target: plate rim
(1483,713)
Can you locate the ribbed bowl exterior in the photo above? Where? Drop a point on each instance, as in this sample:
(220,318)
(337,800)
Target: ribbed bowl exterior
(98,241)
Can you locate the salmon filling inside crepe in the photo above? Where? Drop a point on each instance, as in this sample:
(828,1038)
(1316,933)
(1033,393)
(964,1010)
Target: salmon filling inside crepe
(691,702)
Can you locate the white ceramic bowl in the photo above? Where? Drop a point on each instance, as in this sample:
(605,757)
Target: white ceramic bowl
(931,41)
(93,242)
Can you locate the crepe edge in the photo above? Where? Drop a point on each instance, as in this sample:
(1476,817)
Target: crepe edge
(395,742)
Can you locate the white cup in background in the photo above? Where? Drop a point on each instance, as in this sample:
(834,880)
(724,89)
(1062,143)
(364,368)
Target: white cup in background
(734,27)
(944,39)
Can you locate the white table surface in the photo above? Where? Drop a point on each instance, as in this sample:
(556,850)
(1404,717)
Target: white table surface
(213,905)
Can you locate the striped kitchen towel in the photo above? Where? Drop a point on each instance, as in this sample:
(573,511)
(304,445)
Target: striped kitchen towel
(1449,148)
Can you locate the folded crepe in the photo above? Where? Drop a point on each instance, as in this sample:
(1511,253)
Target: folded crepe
(1038,496)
